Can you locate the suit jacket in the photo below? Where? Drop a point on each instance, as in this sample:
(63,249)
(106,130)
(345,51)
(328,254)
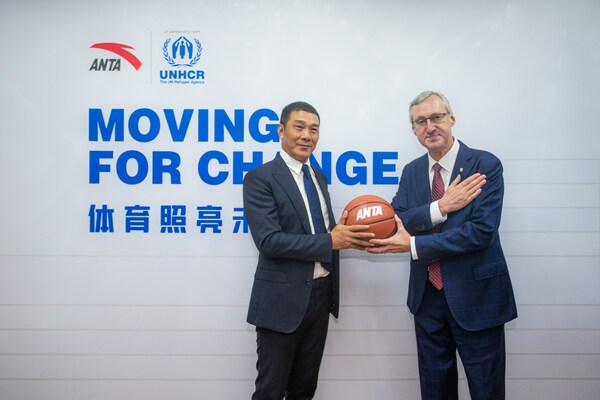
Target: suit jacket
(476,280)
(280,227)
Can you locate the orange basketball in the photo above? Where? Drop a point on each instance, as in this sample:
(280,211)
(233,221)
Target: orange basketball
(373,211)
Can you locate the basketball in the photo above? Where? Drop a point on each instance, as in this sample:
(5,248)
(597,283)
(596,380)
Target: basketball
(373,211)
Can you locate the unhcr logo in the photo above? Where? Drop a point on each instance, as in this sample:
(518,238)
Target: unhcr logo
(182,54)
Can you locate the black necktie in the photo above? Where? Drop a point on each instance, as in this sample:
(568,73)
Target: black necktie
(314,203)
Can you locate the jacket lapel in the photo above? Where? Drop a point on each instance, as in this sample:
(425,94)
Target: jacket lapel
(283,176)
(322,181)
(422,175)
(464,162)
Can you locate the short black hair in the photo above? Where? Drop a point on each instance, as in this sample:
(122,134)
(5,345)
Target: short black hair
(296,106)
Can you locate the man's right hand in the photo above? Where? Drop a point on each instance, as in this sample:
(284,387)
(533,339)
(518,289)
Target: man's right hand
(460,193)
(350,236)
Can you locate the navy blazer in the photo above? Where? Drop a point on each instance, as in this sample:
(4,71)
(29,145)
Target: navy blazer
(280,228)
(476,280)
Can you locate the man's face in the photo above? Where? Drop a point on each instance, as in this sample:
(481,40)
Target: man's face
(435,136)
(300,135)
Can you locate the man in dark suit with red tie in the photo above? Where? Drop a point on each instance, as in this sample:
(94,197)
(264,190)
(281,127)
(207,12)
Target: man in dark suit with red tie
(296,283)
(459,289)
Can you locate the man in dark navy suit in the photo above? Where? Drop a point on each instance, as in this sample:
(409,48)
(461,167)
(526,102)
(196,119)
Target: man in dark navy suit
(296,283)
(459,290)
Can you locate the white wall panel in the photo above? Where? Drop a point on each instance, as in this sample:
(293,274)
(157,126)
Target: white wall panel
(577,195)
(123,367)
(566,171)
(555,389)
(124,317)
(128,342)
(556,280)
(552,367)
(551,219)
(128,280)
(547,244)
(213,318)
(127,316)
(548,317)
(124,389)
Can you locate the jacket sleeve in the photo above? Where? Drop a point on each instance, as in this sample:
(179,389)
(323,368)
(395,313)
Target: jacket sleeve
(416,219)
(275,221)
(472,228)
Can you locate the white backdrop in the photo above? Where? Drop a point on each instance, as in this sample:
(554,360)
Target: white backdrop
(150,315)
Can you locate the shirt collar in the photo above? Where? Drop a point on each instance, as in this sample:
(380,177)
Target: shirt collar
(294,165)
(447,162)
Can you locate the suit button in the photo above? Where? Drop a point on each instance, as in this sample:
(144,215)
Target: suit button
(308,282)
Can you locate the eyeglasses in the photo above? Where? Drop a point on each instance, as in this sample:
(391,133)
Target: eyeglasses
(434,118)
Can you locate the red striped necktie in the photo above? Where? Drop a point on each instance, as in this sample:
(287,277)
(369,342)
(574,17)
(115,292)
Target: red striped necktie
(437,192)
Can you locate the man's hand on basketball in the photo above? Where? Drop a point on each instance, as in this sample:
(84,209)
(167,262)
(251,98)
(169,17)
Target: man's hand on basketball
(398,243)
(459,194)
(350,236)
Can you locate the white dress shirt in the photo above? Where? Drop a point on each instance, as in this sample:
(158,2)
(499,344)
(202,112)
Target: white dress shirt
(295,167)
(447,163)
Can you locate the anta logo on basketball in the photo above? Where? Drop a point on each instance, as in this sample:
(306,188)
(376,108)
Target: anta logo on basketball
(366,212)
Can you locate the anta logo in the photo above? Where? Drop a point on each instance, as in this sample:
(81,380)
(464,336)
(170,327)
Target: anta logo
(367,212)
(114,64)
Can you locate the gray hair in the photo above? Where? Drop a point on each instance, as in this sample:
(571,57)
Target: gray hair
(424,96)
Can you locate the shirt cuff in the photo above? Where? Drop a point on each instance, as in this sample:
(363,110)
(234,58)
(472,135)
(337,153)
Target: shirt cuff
(435,213)
(413,249)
